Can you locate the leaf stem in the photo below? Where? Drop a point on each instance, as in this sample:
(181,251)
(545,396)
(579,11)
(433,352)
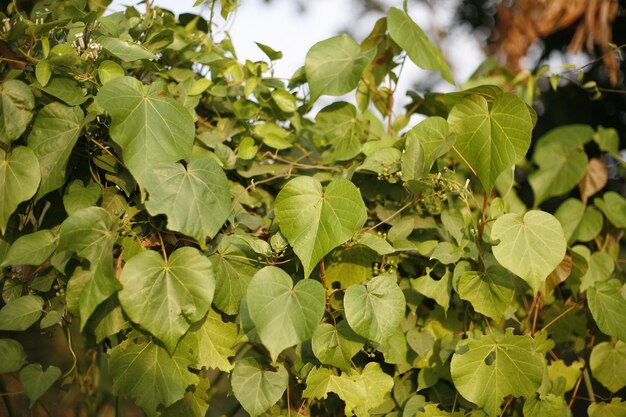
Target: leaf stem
(576,387)
(483,218)
(537,307)
(588,385)
(508,403)
(554,320)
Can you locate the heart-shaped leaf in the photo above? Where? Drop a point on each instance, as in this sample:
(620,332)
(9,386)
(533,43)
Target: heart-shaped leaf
(19,179)
(258,389)
(374,310)
(334,66)
(166,295)
(21,313)
(316,220)
(91,232)
(410,37)
(490,292)
(342,129)
(336,345)
(16,109)
(36,381)
(491,135)
(201,185)
(213,341)
(608,307)
(531,246)
(147,373)
(149,126)
(282,313)
(607,363)
(487,369)
(31,249)
(52,138)
(12,354)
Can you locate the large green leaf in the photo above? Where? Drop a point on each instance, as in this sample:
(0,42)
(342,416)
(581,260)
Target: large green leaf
(16,109)
(342,129)
(608,307)
(150,126)
(21,313)
(213,341)
(147,373)
(91,233)
(336,345)
(531,246)
(195,198)
(12,354)
(490,292)
(19,179)
(334,66)
(410,37)
(316,220)
(235,265)
(374,310)
(52,138)
(282,313)
(486,370)
(607,362)
(179,290)
(491,134)
(36,381)
(31,249)
(258,389)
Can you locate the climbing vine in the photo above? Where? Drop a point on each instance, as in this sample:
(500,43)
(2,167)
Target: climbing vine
(182,234)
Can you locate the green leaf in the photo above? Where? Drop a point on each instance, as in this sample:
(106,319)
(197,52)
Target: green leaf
(77,196)
(608,307)
(193,404)
(410,37)
(491,135)
(334,66)
(613,205)
(21,313)
(349,266)
(531,246)
(124,50)
(235,265)
(433,134)
(616,408)
(19,179)
(214,341)
(285,100)
(272,54)
(374,310)
(68,90)
(43,72)
(36,381)
(412,160)
(195,198)
(548,406)
(561,159)
(439,290)
(52,137)
(607,139)
(341,128)
(350,388)
(150,127)
(109,70)
(564,377)
(487,369)
(12,354)
(180,290)
(91,232)
(607,362)
(258,389)
(336,345)
(282,313)
(147,373)
(490,292)
(316,220)
(31,249)
(16,109)
(273,135)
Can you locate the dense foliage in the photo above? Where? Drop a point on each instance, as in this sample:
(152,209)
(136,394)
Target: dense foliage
(180,233)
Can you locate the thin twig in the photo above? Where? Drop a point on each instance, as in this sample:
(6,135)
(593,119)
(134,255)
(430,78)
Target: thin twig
(554,320)
(400,210)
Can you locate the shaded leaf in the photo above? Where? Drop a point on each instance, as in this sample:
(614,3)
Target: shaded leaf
(336,345)
(12,354)
(31,249)
(607,362)
(608,307)
(21,313)
(16,109)
(258,389)
(36,381)
(490,292)
(19,180)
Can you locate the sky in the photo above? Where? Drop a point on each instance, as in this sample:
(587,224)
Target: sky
(281,25)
